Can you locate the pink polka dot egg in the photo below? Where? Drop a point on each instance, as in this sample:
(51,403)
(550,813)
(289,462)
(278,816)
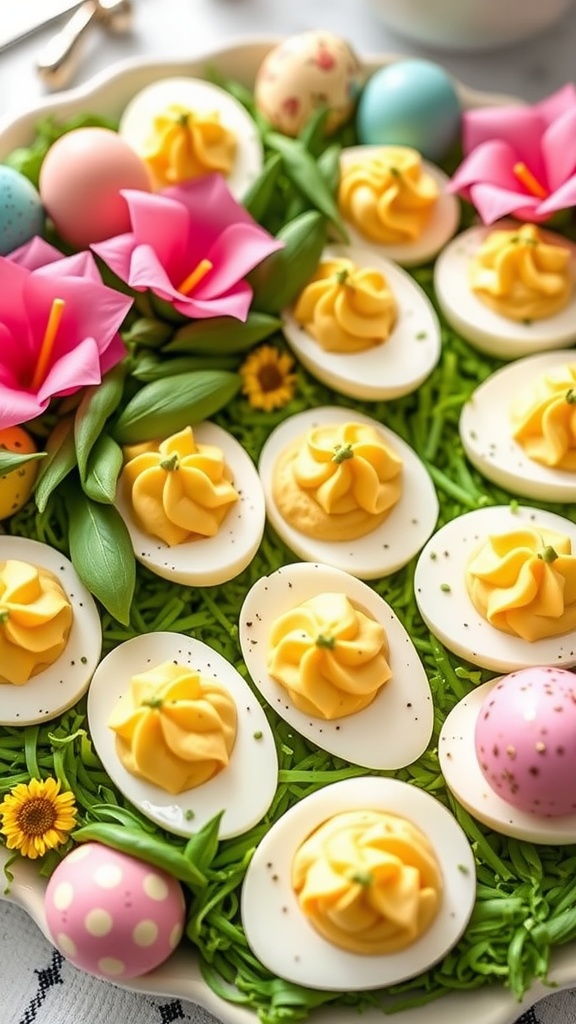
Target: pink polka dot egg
(113,915)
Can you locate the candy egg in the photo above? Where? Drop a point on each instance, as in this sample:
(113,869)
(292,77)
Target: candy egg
(410,103)
(21,210)
(16,486)
(508,754)
(80,182)
(113,915)
(304,73)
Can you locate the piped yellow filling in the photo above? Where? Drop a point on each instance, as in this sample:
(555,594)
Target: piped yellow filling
(184,145)
(35,620)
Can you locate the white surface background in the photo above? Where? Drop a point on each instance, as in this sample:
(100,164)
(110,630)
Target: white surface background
(184,28)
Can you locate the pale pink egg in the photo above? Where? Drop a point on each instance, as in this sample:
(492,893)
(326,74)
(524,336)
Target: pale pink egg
(80,182)
(111,914)
(526,740)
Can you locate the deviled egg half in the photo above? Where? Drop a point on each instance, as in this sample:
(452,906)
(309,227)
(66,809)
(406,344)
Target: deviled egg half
(181,734)
(395,203)
(508,754)
(363,326)
(509,289)
(497,586)
(193,505)
(343,490)
(50,633)
(518,428)
(366,883)
(330,657)
(183,128)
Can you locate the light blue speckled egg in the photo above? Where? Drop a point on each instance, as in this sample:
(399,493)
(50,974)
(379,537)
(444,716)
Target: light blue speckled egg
(21,211)
(410,103)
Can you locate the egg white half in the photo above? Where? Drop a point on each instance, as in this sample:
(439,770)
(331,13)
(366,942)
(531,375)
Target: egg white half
(442,224)
(200,97)
(281,936)
(485,432)
(207,561)
(395,541)
(459,764)
(59,686)
(450,614)
(394,368)
(483,327)
(243,790)
(395,729)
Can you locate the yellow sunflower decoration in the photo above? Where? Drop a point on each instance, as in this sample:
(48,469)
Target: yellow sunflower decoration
(37,817)
(267,378)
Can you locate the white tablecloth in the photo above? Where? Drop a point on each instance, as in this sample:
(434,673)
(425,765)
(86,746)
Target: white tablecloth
(36,985)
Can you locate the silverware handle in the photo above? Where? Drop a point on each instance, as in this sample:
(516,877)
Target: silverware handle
(60,57)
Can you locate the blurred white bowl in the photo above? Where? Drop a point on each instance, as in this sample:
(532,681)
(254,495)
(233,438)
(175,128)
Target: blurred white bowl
(469,24)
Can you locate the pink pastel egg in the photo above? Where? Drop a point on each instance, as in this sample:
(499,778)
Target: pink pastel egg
(526,740)
(112,915)
(80,183)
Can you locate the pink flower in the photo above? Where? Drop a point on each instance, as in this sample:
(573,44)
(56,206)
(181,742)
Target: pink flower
(191,245)
(520,160)
(58,329)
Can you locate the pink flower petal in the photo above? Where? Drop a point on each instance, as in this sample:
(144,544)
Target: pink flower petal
(158,221)
(559,149)
(236,303)
(19,406)
(555,105)
(76,368)
(35,253)
(238,249)
(489,162)
(493,203)
(146,271)
(562,199)
(520,127)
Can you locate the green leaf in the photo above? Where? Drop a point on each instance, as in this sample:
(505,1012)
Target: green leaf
(261,193)
(103,470)
(9,461)
(302,169)
(151,367)
(97,405)
(223,335)
(59,462)
(201,848)
(148,333)
(165,406)
(101,552)
(280,277)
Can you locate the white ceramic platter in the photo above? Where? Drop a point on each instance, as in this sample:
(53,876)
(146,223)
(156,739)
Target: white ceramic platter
(180,976)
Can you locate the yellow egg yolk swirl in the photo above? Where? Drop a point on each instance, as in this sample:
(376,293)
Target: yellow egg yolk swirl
(524,583)
(174,728)
(368,881)
(544,419)
(389,197)
(179,491)
(337,482)
(521,275)
(35,620)
(329,655)
(184,145)
(346,308)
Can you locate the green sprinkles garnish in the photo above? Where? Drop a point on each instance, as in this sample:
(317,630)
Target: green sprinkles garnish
(328,642)
(548,554)
(258,735)
(342,452)
(446,588)
(170,464)
(363,878)
(570,396)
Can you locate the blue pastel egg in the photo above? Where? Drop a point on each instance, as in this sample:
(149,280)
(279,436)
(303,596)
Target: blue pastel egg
(21,211)
(410,103)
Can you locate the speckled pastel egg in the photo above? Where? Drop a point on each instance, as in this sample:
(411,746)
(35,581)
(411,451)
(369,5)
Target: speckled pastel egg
(21,210)
(305,72)
(410,103)
(81,180)
(112,915)
(525,740)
